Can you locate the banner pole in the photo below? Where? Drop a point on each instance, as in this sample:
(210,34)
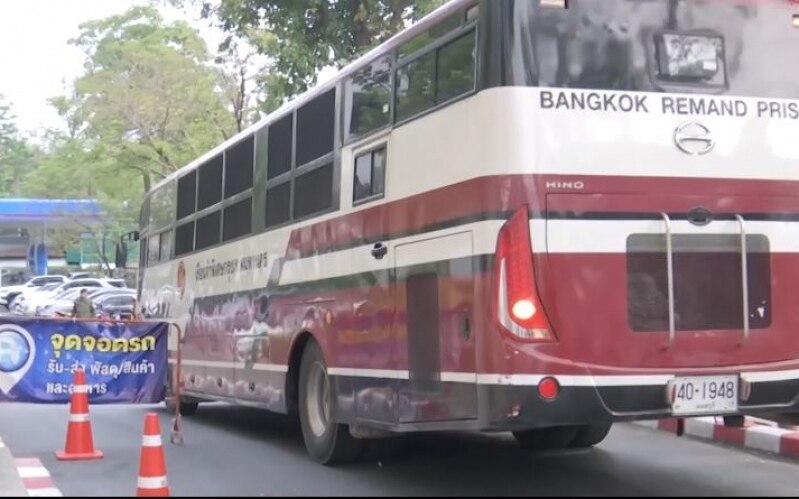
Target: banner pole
(177,426)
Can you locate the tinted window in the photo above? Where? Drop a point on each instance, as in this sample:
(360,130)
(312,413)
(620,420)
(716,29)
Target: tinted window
(280,147)
(165,246)
(187,194)
(421,40)
(40,281)
(368,99)
(316,128)
(369,175)
(143,242)
(313,191)
(456,68)
(210,190)
(208,230)
(162,206)
(83,284)
(144,214)
(580,48)
(116,301)
(237,220)
(707,282)
(153,250)
(278,204)
(415,87)
(184,239)
(239,167)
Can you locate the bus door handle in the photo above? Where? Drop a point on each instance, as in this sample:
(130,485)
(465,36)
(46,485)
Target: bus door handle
(379,251)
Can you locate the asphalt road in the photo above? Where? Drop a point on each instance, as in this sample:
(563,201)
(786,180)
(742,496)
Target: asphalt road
(241,451)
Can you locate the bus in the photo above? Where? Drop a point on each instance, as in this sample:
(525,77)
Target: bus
(531,216)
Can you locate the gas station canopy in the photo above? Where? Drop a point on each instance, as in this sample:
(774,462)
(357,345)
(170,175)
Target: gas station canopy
(49,210)
(24,226)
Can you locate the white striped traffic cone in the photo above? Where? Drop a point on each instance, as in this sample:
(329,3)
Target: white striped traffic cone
(152,466)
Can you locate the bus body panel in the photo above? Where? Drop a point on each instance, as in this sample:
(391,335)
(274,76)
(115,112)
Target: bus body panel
(411,340)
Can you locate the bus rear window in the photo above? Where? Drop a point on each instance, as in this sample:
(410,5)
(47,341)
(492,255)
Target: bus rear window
(727,47)
(708,288)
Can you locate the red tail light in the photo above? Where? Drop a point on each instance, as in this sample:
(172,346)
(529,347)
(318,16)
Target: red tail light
(518,307)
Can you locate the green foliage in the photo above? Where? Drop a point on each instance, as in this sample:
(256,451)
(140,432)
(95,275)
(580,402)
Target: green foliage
(152,97)
(149,102)
(301,38)
(148,99)
(17,157)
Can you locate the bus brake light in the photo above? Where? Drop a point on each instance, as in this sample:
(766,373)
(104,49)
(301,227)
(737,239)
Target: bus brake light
(518,307)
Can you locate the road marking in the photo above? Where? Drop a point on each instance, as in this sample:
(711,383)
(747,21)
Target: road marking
(36,478)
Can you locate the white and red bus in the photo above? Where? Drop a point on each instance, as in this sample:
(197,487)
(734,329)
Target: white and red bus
(533,216)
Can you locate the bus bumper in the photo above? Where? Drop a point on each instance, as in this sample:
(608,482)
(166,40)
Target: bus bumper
(506,407)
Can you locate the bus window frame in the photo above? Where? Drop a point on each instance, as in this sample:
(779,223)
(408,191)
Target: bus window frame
(260,178)
(296,171)
(349,139)
(370,150)
(219,206)
(400,64)
(671,86)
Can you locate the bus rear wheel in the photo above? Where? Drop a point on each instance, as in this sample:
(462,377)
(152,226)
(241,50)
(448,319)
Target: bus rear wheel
(326,441)
(590,435)
(540,439)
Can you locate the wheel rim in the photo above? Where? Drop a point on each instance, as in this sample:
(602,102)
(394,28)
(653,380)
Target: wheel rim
(318,400)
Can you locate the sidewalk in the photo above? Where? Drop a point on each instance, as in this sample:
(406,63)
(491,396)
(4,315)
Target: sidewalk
(10,482)
(757,434)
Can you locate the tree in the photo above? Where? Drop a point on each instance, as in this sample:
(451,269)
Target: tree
(70,169)
(149,101)
(240,75)
(17,157)
(302,38)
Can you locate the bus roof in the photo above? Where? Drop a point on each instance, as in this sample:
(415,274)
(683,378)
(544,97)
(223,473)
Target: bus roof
(430,20)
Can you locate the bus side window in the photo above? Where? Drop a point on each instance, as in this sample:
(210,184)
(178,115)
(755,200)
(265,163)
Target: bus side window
(369,175)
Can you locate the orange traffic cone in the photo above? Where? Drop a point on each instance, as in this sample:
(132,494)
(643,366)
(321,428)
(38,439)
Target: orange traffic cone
(80,444)
(152,466)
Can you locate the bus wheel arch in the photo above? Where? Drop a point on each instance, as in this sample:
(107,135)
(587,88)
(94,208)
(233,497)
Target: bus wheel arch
(327,441)
(293,375)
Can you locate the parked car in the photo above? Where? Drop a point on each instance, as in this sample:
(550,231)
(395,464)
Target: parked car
(116,306)
(15,304)
(29,306)
(62,305)
(8,293)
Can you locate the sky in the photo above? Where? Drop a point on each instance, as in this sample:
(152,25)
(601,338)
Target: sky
(36,63)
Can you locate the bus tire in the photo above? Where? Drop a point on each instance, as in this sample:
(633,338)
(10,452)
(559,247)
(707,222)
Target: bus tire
(590,435)
(326,441)
(539,439)
(186,408)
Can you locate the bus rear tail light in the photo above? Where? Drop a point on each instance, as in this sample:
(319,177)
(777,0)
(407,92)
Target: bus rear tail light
(518,307)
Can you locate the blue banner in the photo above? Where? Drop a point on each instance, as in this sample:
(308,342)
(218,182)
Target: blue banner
(123,362)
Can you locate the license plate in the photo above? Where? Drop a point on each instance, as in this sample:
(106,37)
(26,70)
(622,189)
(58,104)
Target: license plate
(703,395)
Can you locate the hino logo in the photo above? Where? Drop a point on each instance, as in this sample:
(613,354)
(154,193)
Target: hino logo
(694,138)
(576,186)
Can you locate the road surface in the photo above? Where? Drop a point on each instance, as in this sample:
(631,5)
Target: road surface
(240,451)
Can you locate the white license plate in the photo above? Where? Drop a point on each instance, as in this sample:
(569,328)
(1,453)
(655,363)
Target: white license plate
(703,395)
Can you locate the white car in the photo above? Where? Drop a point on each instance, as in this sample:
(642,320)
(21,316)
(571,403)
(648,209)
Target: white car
(63,304)
(29,305)
(8,293)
